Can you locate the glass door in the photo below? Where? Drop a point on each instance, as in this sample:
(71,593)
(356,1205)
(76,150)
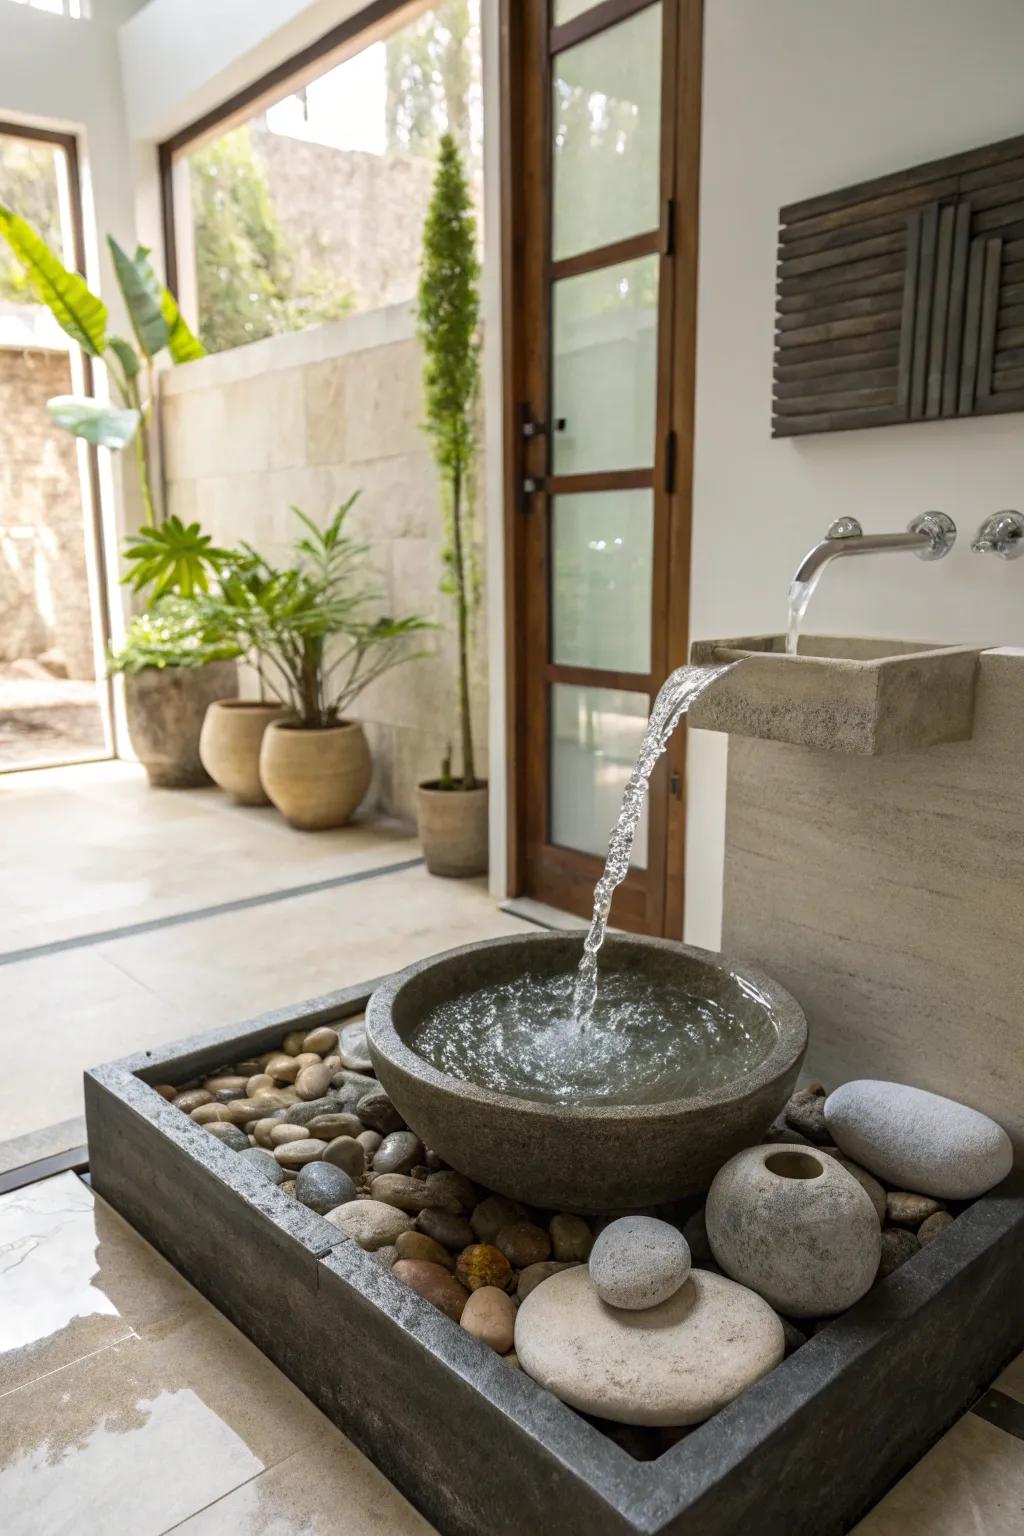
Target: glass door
(600,543)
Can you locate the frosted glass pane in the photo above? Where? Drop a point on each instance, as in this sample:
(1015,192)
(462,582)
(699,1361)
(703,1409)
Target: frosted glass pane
(604,367)
(601,580)
(595,737)
(568,10)
(606,118)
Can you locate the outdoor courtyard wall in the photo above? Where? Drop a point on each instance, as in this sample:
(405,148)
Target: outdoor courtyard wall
(305,420)
(802,99)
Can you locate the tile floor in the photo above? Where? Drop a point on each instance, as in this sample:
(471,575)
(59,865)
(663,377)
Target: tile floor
(126,1401)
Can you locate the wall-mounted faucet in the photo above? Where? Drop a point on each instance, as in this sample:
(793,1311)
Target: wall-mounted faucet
(1001,534)
(930,535)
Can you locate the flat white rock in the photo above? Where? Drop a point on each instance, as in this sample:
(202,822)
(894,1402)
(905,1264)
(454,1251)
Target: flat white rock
(370,1223)
(638,1261)
(676,1363)
(917,1140)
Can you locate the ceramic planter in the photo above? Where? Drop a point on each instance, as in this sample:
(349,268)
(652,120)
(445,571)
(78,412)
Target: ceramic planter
(229,746)
(165,708)
(316,778)
(453,829)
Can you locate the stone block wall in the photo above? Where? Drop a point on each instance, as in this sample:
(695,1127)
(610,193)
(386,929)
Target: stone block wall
(305,420)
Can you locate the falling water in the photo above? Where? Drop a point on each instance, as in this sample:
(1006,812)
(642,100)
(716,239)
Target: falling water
(800,594)
(681,689)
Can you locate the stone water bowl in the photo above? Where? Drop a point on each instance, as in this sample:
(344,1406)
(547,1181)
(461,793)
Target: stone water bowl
(585,1157)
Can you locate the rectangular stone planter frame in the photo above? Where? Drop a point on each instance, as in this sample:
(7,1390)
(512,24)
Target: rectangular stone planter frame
(478,1446)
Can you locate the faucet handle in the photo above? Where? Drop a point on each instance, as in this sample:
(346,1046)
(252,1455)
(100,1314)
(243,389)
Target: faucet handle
(940,530)
(1001,534)
(845,528)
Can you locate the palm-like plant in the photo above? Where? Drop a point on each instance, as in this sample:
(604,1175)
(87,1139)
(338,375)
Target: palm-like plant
(308,628)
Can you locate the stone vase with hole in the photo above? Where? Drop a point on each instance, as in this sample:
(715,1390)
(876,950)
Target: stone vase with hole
(452,825)
(229,746)
(315,778)
(794,1226)
(165,708)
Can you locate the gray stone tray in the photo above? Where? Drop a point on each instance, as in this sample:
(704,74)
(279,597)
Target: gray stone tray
(478,1446)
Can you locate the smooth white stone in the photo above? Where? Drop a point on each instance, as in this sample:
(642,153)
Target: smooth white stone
(370,1223)
(676,1363)
(917,1140)
(638,1261)
(789,1222)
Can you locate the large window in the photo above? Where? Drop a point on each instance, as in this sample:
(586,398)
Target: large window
(312,206)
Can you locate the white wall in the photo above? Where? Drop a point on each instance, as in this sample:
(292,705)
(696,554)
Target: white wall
(802,98)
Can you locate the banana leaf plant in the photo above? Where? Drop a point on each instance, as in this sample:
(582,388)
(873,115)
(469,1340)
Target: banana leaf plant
(157,324)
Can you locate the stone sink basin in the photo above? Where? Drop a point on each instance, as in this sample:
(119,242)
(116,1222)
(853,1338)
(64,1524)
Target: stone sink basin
(851,695)
(584,1157)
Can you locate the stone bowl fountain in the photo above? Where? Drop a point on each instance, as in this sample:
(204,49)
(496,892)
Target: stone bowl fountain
(588,1156)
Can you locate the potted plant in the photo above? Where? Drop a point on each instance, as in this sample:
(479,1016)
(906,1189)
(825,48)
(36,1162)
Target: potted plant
(452,811)
(166,557)
(175,662)
(308,630)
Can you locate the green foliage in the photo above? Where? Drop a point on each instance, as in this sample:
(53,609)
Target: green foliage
(103,425)
(172,559)
(246,274)
(429,68)
(143,295)
(65,294)
(173,633)
(309,627)
(449,316)
(28,182)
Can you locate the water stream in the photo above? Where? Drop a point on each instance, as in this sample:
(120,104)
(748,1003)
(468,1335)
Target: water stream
(679,691)
(800,594)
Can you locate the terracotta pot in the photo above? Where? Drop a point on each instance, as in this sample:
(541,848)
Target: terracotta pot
(165,708)
(229,745)
(315,778)
(453,829)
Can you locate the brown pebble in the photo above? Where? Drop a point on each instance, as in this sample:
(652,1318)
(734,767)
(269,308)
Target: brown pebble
(295,1154)
(322,1040)
(205,1113)
(571,1238)
(283,1132)
(344,1152)
(330,1125)
(192,1098)
(369,1141)
(256,1082)
(451,1231)
(536,1274)
(523,1244)
(492,1214)
(225,1084)
(512,1359)
(490,1316)
(410,1195)
(898,1245)
(483,1264)
(249,1069)
(308,1059)
(417,1245)
(291,1045)
(933,1227)
(334,1062)
(282,1068)
(167,1091)
(434,1284)
(903,1209)
(457,1185)
(313,1082)
(261,1131)
(242,1111)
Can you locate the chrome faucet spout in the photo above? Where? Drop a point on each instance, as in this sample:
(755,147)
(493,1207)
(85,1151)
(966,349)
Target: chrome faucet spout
(929,536)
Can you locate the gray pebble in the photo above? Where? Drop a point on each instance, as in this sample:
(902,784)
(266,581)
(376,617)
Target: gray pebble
(345,1152)
(898,1246)
(933,1227)
(231,1135)
(398,1153)
(323,1187)
(377,1112)
(265,1162)
(638,1262)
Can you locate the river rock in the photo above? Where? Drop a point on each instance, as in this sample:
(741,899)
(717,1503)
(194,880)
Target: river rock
(451,1231)
(321,1186)
(490,1316)
(264,1162)
(225,1083)
(192,1098)
(291,1045)
(346,1153)
(295,1154)
(352,1047)
(369,1141)
(322,1040)
(370,1223)
(417,1245)
(571,1238)
(805,1112)
(357,1083)
(377,1113)
(933,1227)
(258,1083)
(795,1227)
(304,1114)
(638,1261)
(313,1082)
(282,1068)
(918,1140)
(482,1264)
(410,1194)
(536,1274)
(904,1209)
(230,1135)
(675,1363)
(461,1189)
(868,1183)
(493,1213)
(328,1126)
(398,1153)
(898,1245)
(523,1244)
(287,1132)
(434,1284)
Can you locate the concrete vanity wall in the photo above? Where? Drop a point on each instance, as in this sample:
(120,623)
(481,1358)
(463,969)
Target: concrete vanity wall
(888,894)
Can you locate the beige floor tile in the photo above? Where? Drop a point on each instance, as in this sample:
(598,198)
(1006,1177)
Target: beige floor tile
(324,1489)
(1011,1381)
(970,1484)
(74,1278)
(143,1434)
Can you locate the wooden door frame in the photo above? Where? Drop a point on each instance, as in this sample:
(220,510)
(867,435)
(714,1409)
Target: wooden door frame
(524,321)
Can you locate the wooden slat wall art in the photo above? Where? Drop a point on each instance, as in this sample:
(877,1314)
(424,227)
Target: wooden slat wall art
(902,299)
